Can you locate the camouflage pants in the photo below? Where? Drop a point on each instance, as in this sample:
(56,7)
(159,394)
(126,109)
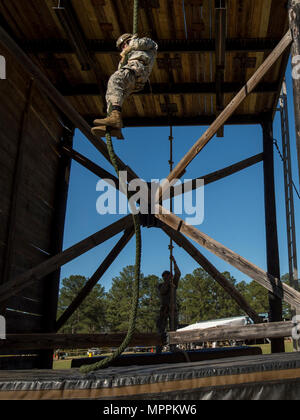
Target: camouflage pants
(164,317)
(131,78)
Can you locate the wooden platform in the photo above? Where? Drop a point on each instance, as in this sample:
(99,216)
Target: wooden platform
(274,377)
(206,54)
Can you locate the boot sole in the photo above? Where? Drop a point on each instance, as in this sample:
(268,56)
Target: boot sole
(102,130)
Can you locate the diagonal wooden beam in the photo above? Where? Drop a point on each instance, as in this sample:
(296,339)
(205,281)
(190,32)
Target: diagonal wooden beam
(91,166)
(63,104)
(283,291)
(213,272)
(14,286)
(91,283)
(228,111)
(220,174)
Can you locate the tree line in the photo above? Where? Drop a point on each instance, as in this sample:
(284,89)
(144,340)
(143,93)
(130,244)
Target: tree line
(199,298)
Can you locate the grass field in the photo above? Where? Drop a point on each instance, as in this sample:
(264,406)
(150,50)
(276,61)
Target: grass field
(266,349)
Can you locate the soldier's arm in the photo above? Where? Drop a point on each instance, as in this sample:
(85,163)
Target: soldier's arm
(177,273)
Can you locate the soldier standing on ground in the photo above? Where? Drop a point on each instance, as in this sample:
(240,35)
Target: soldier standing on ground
(138,57)
(165,293)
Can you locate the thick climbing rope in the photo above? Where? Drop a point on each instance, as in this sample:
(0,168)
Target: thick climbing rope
(137,272)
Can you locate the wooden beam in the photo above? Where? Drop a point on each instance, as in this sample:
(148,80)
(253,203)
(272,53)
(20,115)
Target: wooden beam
(218,175)
(294,20)
(275,302)
(15,190)
(192,46)
(201,120)
(14,286)
(213,272)
(74,341)
(228,111)
(283,291)
(64,105)
(69,21)
(208,88)
(238,333)
(91,166)
(91,283)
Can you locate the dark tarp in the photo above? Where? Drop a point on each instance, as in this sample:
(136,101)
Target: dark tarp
(250,377)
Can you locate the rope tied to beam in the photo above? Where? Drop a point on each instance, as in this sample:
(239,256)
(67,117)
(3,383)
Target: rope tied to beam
(137,228)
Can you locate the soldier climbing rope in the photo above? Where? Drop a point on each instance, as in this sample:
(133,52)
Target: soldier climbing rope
(135,298)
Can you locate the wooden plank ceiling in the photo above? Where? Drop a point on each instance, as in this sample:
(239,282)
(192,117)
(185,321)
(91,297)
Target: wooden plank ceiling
(75,47)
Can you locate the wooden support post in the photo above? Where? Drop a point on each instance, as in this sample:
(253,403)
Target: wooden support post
(21,282)
(228,111)
(91,283)
(248,332)
(294,19)
(283,291)
(51,284)
(213,272)
(275,302)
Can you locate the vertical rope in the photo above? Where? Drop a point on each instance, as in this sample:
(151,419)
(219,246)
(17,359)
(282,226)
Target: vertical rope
(136,17)
(137,227)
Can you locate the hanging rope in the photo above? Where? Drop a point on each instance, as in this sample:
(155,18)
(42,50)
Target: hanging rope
(137,227)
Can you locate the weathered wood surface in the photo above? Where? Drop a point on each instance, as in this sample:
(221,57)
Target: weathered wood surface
(218,175)
(16,285)
(283,291)
(213,272)
(248,332)
(228,111)
(74,341)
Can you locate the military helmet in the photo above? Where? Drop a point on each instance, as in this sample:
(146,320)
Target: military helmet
(123,38)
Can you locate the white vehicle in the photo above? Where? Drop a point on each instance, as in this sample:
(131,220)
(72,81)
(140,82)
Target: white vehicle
(94,351)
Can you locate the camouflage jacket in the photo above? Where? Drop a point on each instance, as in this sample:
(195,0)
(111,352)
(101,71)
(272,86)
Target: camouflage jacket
(143,50)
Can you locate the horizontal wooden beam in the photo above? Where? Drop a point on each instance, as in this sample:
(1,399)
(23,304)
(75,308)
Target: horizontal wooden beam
(101,46)
(238,333)
(184,243)
(281,290)
(167,89)
(14,286)
(74,341)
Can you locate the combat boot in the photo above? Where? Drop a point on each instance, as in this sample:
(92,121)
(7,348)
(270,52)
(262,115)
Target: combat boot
(114,120)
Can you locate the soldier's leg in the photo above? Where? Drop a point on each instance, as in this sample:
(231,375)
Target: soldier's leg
(120,85)
(161,324)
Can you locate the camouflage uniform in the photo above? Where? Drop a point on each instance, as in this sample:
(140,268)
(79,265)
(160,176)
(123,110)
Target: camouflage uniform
(132,76)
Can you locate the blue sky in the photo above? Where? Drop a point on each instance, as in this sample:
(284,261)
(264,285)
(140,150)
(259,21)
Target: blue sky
(234,206)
